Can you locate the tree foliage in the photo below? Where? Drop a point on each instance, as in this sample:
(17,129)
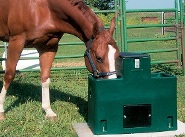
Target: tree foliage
(101,4)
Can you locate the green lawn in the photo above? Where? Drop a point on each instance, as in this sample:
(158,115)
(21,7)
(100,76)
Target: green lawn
(24,116)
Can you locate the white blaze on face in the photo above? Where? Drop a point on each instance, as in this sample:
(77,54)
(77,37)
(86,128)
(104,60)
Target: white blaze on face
(111,59)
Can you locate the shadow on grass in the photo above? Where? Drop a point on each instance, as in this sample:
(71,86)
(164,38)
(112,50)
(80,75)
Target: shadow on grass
(26,92)
(170,69)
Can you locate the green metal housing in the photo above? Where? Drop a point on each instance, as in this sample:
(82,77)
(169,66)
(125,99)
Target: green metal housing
(137,101)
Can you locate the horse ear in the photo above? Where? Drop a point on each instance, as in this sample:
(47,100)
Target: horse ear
(95,29)
(112,25)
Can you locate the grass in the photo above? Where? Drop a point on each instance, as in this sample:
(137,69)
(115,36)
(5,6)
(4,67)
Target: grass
(24,116)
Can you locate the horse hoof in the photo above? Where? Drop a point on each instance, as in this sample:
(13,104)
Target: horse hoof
(51,118)
(2,116)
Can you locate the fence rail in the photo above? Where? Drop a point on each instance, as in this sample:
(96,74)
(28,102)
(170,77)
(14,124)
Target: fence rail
(177,38)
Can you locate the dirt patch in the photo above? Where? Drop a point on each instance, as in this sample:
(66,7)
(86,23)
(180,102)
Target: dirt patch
(68,64)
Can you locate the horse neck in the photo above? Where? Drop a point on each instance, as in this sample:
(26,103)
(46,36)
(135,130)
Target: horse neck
(77,18)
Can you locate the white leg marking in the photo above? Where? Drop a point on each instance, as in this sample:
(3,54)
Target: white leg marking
(2,99)
(111,58)
(46,99)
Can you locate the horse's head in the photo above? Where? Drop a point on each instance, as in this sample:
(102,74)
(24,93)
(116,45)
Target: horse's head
(102,52)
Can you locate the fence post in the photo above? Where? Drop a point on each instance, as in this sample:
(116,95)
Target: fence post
(183,36)
(163,22)
(124,26)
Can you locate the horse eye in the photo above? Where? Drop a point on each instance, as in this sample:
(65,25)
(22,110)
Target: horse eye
(99,59)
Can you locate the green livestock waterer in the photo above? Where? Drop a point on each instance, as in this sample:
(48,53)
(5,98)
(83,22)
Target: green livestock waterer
(138,101)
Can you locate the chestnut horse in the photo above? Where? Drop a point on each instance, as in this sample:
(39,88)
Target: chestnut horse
(41,24)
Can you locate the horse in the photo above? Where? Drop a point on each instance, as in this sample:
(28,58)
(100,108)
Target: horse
(40,24)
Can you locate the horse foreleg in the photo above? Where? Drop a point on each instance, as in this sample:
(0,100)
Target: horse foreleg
(15,48)
(46,59)
(2,100)
(50,115)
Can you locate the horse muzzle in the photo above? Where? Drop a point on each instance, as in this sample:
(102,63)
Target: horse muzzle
(96,73)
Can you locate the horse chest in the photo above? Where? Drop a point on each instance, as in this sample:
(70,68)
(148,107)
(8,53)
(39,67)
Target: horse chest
(47,40)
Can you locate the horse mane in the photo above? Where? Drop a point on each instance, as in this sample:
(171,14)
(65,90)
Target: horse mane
(84,9)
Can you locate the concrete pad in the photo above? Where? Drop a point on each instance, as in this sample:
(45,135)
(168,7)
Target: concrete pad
(83,130)
(25,64)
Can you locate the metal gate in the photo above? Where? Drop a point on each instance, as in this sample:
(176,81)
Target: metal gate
(173,52)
